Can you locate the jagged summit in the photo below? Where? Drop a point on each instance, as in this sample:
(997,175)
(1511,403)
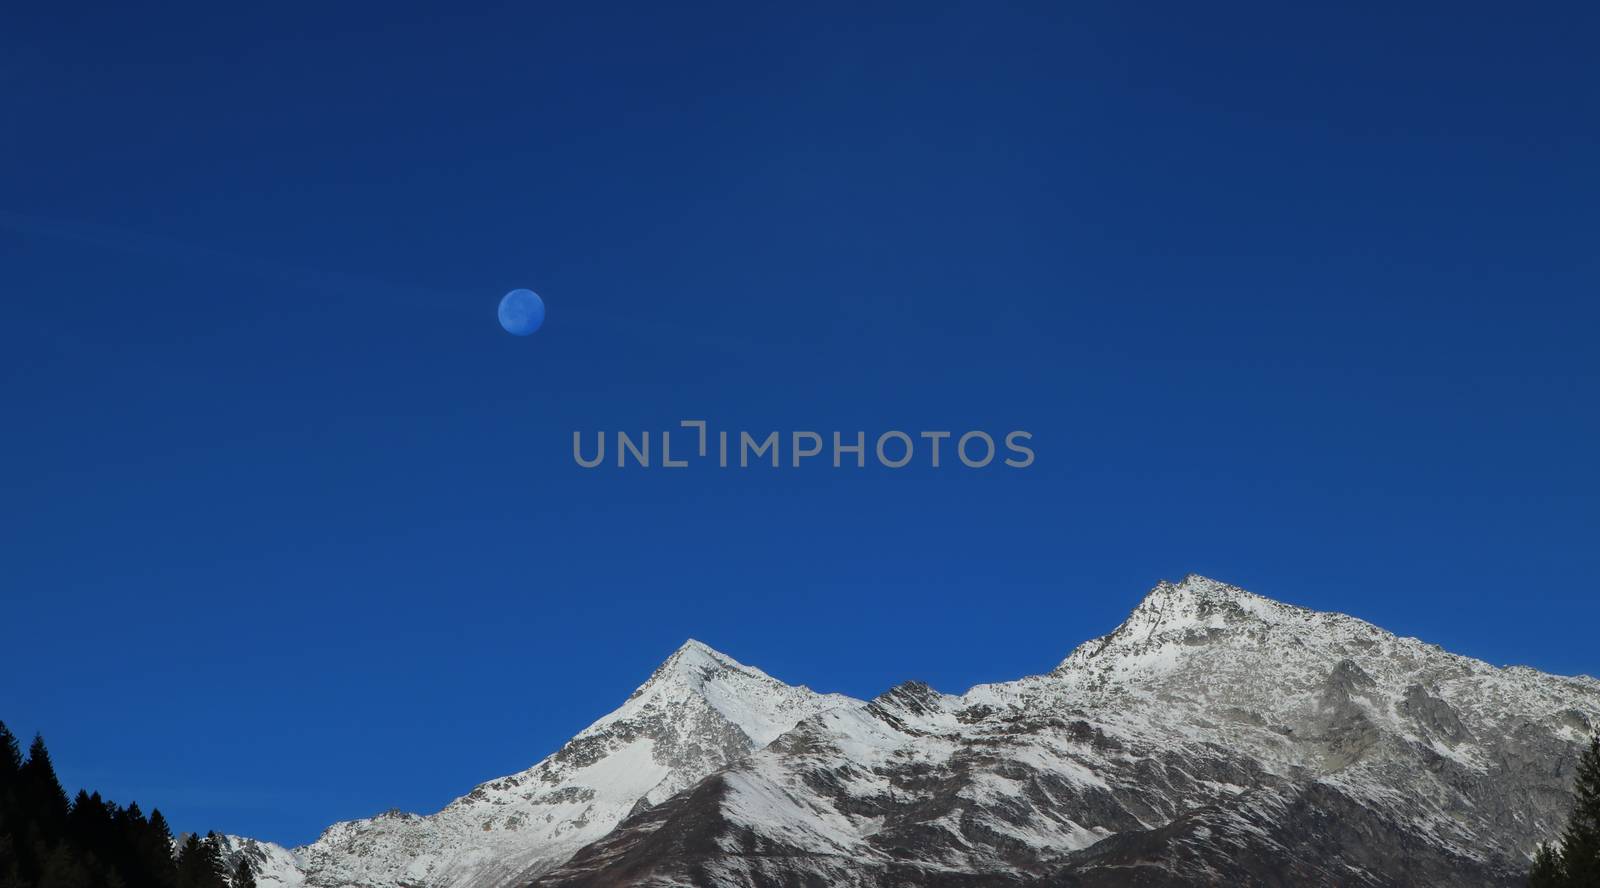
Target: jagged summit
(1197,610)
(694,664)
(759,706)
(1198,600)
(694,652)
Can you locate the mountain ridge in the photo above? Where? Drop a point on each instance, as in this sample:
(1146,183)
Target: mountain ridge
(1208,709)
(696,711)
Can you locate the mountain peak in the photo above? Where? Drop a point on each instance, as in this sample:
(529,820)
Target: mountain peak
(699,652)
(699,711)
(1193,605)
(1197,600)
(760,706)
(1200,589)
(694,664)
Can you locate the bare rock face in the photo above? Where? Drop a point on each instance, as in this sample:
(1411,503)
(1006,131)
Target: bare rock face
(1214,738)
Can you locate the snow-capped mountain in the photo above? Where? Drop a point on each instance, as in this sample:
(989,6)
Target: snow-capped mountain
(1215,737)
(699,712)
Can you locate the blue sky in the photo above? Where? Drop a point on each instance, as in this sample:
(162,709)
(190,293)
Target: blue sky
(1302,300)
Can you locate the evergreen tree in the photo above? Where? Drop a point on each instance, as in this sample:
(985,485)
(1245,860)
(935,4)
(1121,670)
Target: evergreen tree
(190,866)
(41,792)
(219,867)
(1546,868)
(10,813)
(127,825)
(200,863)
(245,875)
(1580,843)
(154,849)
(1575,863)
(45,842)
(90,824)
(67,868)
(10,757)
(158,823)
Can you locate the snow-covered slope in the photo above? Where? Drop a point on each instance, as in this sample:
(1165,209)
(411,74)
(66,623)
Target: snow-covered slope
(274,865)
(1215,737)
(700,711)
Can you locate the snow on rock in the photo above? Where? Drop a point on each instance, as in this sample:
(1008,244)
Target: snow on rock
(698,712)
(1215,737)
(274,865)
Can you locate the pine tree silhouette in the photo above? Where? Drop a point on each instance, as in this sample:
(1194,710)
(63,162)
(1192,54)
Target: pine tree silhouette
(200,863)
(1546,868)
(1580,843)
(1575,863)
(66,868)
(41,791)
(10,808)
(45,842)
(245,875)
(213,858)
(154,849)
(10,757)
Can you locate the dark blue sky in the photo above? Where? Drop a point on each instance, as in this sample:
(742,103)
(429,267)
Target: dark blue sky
(1301,300)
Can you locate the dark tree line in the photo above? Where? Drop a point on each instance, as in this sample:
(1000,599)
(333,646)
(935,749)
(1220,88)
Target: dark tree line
(1575,861)
(48,842)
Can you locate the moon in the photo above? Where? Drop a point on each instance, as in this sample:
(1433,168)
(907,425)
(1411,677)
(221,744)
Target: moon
(521,312)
